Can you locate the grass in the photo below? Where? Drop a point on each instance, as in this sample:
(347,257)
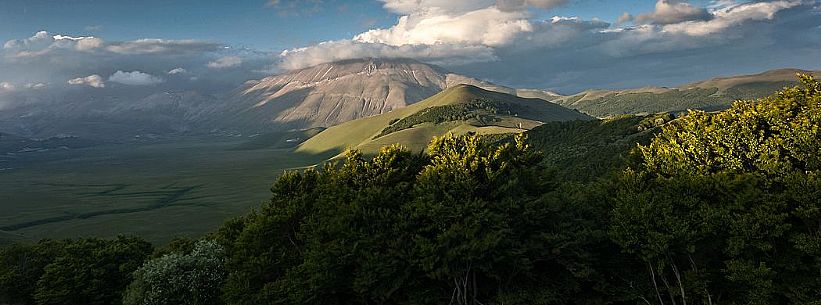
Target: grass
(184,187)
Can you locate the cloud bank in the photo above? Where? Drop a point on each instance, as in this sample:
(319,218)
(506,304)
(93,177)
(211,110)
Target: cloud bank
(513,42)
(504,41)
(60,59)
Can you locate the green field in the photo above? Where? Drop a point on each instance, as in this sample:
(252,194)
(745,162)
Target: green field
(159,190)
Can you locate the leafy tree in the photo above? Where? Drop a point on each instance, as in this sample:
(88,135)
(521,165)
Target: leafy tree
(186,277)
(91,271)
(21,266)
(322,239)
(471,222)
(725,207)
(775,136)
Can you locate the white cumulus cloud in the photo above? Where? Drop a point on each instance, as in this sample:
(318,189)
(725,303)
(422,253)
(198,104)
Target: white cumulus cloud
(732,16)
(673,11)
(94,80)
(134,78)
(489,26)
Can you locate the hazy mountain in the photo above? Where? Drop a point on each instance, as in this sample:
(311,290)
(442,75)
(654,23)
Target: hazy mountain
(108,113)
(713,94)
(333,93)
(460,109)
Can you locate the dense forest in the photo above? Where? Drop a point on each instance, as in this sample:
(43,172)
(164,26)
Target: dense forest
(478,111)
(708,208)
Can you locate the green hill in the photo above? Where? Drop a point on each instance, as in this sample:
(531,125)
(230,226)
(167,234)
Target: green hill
(460,109)
(713,94)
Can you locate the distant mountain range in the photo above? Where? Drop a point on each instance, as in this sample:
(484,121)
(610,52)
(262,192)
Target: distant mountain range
(106,114)
(713,94)
(324,96)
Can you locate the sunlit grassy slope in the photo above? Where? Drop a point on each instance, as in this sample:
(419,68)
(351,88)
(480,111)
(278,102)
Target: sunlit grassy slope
(713,94)
(367,134)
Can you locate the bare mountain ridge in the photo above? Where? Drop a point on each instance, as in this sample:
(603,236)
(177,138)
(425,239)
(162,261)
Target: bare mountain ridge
(329,94)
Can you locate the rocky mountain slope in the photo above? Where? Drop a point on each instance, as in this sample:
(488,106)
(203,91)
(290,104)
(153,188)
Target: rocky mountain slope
(333,93)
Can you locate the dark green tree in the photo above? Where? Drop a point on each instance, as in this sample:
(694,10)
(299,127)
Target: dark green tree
(92,271)
(21,266)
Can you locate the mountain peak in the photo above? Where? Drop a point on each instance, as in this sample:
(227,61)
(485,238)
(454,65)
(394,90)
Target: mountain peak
(336,92)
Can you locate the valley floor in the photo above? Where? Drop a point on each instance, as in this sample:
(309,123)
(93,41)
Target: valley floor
(158,190)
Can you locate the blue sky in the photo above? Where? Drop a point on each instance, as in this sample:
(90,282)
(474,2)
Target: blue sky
(250,23)
(563,45)
(242,23)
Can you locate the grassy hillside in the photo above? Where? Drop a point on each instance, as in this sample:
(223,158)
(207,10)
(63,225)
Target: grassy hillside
(713,94)
(459,109)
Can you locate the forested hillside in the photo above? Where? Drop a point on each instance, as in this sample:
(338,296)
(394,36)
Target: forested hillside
(708,208)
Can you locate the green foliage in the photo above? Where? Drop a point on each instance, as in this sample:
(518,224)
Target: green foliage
(774,136)
(480,111)
(466,223)
(587,150)
(82,271)
(21,266)
(321,238)
(186,277)
(91,271)
(726,206)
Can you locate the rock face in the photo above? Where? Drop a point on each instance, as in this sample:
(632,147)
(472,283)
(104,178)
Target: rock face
(333,93)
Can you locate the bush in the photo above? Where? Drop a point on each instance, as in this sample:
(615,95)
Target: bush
(193,277)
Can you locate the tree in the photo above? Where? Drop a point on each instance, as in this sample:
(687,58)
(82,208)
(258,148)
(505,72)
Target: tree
(192,277)
(471,222)
(91,271)
(21,266)
(726,207)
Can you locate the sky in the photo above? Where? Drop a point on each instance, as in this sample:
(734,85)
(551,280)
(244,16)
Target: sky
(561,45)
